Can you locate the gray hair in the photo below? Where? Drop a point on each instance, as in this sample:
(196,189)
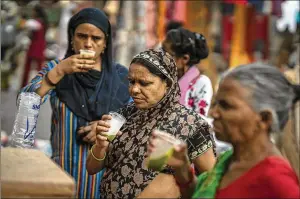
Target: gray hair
(270,91)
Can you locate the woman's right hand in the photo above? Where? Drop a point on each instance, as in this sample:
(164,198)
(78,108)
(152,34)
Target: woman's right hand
(101,131)
(76,63)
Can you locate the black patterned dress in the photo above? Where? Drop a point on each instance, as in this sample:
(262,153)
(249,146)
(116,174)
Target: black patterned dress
(126,175)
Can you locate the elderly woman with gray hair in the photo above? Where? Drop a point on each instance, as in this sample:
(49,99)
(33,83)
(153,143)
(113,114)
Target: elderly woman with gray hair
(252,103)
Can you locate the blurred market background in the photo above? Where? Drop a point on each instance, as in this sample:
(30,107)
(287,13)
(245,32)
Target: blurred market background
(237,32)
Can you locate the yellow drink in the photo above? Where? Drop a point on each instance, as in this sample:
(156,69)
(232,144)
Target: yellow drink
(164,150)
(158,163)
(111,137)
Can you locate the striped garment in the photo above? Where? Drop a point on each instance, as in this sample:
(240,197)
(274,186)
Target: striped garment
(67,151)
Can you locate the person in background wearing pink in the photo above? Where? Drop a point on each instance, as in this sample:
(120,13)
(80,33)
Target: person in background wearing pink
(38,27)
(68,10)
(188,49)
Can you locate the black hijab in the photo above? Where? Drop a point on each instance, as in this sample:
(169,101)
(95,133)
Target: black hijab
(90,95)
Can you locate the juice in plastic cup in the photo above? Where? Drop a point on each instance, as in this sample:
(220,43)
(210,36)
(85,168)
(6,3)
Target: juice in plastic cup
(164,150)
(88,53)
(116,123)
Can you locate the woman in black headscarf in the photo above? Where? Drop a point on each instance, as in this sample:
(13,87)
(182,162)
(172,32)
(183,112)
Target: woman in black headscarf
(155,91)
(82,89)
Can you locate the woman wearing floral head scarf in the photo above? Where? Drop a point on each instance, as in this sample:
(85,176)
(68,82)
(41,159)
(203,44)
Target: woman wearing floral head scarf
(155,91)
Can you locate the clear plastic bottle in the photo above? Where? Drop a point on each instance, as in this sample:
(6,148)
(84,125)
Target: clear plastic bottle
(23,134)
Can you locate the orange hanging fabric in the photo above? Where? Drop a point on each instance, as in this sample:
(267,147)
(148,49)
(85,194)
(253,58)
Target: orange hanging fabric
(161,19)
(239,53)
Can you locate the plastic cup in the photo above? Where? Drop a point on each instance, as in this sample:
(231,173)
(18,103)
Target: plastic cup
(116,123)
(87,53)
(164,150)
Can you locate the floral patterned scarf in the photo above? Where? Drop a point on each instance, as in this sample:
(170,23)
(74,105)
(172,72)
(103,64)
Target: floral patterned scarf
(165,63)
(126,174)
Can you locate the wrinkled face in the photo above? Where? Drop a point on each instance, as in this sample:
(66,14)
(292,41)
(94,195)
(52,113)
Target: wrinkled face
(145,88)
(89,37)
(235,121)
(180,61)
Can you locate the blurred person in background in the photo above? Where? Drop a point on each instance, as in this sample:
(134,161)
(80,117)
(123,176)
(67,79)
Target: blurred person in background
(188,49)
(37,26)
(252,103)
(82,88)
(9,30)
(171,25)
(68,10)
(9,25)
(155,90)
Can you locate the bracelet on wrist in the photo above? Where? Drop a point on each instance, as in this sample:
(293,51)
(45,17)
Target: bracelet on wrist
(49,81)
(98,159)
(191,179)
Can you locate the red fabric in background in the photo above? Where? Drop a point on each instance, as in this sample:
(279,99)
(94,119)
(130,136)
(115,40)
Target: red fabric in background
(250,35)
(262,32)
(257,29)
(170,10)
(242,2)
(276,8)
(38,43)
(35,52)
(271,178)
(227,25)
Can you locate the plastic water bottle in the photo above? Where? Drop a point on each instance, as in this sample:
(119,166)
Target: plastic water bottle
(23,134)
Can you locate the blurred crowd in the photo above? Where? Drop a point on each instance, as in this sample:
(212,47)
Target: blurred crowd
(242,32)
(202,44)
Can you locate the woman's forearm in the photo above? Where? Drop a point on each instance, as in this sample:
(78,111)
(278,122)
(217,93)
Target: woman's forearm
(188,192)
(54,75)
(93,165)
(187,181)
(162,186)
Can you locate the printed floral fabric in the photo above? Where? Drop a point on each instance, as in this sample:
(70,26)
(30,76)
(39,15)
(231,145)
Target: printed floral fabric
(199,94)
(126,175)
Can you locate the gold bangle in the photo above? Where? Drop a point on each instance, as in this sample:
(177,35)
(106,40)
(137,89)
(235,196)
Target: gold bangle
(98,159)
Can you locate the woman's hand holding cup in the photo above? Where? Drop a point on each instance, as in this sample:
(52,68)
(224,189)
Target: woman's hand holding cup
(101,131)
(77,63)
(179,160)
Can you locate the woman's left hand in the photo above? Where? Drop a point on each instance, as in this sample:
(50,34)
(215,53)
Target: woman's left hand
(90,131)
